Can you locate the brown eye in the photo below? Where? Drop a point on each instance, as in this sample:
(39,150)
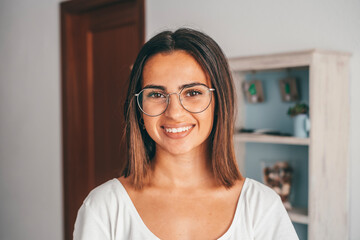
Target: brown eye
(193,93)
(156,95)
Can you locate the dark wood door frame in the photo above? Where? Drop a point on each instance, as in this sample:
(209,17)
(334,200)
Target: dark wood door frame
(77,98)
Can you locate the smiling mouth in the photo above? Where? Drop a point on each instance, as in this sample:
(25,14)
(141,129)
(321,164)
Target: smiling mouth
(177,130)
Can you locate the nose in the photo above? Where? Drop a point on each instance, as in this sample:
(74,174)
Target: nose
(174,109)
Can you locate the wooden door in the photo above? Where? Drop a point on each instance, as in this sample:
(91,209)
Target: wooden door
(100,40)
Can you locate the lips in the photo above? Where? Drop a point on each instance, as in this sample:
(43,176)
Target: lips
(177,131)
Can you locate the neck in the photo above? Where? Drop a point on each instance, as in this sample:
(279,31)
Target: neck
(188,170)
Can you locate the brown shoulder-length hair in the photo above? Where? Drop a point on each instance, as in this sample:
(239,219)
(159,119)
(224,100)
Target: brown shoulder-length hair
(141,148)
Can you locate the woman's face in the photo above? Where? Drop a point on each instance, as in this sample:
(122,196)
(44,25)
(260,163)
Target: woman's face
(177,131)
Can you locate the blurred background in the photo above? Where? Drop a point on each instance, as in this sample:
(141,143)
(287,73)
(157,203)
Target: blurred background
(31,183)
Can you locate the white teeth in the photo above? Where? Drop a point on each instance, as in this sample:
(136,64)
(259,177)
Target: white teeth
(177,130)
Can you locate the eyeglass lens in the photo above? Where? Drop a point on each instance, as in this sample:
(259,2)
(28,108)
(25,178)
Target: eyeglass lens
(153,101)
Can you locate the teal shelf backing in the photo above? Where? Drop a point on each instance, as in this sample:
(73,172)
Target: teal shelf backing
(272,114)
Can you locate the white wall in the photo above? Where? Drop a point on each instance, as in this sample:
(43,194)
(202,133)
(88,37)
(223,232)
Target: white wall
(251,27)
(30,145)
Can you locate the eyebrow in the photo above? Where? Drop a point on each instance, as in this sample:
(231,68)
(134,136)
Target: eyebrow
(155,86)
(180,87)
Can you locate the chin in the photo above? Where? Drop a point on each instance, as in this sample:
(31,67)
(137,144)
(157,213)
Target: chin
(181,148)
(177,150)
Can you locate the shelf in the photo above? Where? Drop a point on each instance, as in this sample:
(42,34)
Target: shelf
(299,215)
(323,83)
(262,138)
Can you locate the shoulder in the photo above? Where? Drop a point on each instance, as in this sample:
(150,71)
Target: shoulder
(99,212)
(106,201)
(267,214)
(259,193)
(105,193)
(260,200)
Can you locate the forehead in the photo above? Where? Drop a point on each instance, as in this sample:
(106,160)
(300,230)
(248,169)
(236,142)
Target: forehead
(173,69)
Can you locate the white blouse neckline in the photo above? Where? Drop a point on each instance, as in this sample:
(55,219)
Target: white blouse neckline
(145,229)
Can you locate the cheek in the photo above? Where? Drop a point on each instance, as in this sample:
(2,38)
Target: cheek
(147,121)
(212,111)
(207,118)
(150,125)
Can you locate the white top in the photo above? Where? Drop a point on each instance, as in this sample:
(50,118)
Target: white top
(109,214)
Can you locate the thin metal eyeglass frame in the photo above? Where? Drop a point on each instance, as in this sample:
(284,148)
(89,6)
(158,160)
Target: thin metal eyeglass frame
(168,100)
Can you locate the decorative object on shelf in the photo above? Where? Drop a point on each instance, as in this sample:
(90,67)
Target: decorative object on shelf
(299,108)
(278,177)
(301,126)
(263,131)
(253,91)
(288,89)
(301,120)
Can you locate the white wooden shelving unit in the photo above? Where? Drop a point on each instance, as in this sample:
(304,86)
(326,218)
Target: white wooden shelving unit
(248,137)
(328,157)
(299,215)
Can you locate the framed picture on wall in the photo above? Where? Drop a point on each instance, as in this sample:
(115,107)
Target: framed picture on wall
(253,91)
(288,89)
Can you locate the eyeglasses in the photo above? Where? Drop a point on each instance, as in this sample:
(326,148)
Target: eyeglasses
(194,98)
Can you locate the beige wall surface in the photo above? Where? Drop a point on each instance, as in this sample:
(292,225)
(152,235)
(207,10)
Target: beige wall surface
(30,146)
(247,27)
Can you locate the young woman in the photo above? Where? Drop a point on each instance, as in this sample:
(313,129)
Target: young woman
(181,180)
